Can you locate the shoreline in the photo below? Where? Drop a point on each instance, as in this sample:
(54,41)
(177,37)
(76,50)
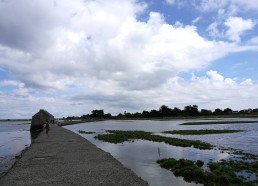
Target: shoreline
(72,122)
(66,158)
(12,161)
(64,123)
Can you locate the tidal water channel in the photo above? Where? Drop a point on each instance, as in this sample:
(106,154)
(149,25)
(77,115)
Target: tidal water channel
(141,156)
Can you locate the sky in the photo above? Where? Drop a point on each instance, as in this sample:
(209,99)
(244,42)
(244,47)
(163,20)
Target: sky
(70,57)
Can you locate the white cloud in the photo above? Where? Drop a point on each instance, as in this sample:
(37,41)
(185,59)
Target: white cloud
(86,54)
(112,47)
(215,76)
(170,2)
(253,41)
(9,83)
(233,6)
(196,20)
(214,91)
(247,82)
(237,26)
(210,5)
(213,30)
(246,4)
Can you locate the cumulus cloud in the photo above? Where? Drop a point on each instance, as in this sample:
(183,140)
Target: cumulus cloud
(90,54)
(228,13)
(237,26)
(211,91)
(71,37)
(247,82)
(215,91)
(119,48)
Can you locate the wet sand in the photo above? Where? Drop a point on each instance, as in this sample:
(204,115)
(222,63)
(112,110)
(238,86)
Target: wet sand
(65,158)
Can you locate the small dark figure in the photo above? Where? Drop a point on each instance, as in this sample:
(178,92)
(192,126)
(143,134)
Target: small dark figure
(47,127)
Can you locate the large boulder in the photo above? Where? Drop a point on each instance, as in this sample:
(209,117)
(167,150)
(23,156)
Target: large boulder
(40,118)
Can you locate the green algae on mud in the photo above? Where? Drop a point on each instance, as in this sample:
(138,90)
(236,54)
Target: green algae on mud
(218,122)
(118,136)
(215,173)
(200,132)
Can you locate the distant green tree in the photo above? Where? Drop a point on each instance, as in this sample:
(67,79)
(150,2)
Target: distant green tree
(218,111)
(176,112)
(165,111)
(97,114)
(154,113)
(145,114)
(120,115)
(227,111)
(87,116)
(72,118)
(191,110)
(205,112)
(128,115)
(108,116)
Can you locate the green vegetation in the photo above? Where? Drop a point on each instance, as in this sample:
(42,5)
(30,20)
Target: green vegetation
(217,122)
(85,132)
(216,173)
(239,154)
(118,136)
(200,132)
(199,163)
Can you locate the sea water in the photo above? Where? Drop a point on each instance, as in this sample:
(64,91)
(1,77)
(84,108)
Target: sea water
(141,155)
(14,137)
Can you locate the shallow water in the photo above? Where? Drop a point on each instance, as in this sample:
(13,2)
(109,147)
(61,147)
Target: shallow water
(14,137)
(141,156)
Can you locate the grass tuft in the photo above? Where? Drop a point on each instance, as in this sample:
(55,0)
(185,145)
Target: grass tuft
(216,173)
(85,132)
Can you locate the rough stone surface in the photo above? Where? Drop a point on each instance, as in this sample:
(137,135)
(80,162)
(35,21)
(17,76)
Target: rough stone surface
(65,158)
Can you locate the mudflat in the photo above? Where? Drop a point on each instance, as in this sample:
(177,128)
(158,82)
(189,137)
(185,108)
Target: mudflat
(65,158)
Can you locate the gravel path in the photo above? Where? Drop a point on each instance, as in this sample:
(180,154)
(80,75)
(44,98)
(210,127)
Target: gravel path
(65,158)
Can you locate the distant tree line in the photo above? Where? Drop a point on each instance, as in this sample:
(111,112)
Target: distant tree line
(164,111)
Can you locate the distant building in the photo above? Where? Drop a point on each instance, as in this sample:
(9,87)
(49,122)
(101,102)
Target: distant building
(40,118)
